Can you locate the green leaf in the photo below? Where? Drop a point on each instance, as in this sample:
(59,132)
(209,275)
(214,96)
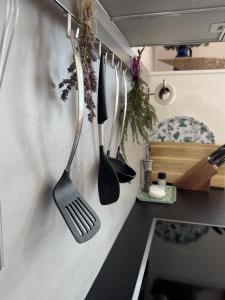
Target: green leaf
(140,116)
(176,135)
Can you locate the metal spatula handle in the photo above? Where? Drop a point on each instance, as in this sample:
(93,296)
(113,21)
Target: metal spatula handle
(115,109)
(101,107)
(125,104)
(80,84)
(12,14)
(1,242)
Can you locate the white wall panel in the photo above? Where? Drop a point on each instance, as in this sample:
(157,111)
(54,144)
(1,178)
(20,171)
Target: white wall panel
(42,260)
(198,94)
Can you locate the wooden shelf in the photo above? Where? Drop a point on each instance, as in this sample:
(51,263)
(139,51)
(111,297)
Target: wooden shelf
(196,63)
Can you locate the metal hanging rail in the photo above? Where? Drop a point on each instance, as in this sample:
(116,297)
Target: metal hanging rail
(98,43)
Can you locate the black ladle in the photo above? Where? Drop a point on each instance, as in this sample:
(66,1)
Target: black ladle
(124,172)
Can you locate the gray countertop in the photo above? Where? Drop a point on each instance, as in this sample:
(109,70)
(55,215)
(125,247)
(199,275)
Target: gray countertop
(117,277)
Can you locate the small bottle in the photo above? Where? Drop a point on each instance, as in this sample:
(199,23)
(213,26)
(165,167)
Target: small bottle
(162,180)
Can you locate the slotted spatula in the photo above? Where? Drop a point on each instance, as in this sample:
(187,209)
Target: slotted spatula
(77,213)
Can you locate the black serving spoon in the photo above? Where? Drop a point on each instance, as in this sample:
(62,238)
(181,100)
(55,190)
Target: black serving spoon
(108,182)
(124,172)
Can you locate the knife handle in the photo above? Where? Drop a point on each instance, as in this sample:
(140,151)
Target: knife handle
(102,109)
(217,155)
(198,177)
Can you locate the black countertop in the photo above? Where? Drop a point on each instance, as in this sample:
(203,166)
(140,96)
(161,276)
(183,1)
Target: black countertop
(117,277)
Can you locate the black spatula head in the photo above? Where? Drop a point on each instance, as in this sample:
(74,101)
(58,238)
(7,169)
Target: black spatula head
(79,216)
(108,182)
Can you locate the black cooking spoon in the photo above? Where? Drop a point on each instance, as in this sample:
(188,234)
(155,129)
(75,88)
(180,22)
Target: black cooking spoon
(124,172)
(108,182)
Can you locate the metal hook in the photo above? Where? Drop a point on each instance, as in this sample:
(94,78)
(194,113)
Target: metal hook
(77,33)
(69,24)
(113,60)
(121,65)
(69,27)
(100,49)
(105,57)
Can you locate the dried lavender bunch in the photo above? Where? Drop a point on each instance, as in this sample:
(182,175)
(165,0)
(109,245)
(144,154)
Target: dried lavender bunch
(88,56)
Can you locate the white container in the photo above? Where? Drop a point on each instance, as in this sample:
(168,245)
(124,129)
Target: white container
(156,191)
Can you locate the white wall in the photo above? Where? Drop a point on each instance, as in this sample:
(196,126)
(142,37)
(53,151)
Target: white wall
(198,94)
(42,260)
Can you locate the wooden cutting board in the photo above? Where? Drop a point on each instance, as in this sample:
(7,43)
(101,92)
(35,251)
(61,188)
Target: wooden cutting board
(176,158)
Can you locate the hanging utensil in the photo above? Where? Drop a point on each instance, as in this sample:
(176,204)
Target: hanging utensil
(108,183)
(9,26)
(119,154)
(124,172)
(12,14)
(1,242)
(78,215)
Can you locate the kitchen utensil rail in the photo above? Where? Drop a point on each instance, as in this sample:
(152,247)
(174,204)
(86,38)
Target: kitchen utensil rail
(104,48)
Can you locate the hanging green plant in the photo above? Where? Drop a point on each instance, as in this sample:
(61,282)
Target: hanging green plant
(141,114)
(88,56)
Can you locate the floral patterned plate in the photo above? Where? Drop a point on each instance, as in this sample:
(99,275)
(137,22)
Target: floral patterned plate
(183,129)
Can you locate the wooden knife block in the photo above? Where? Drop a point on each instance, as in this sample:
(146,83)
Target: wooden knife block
(176,159)
(197,178)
